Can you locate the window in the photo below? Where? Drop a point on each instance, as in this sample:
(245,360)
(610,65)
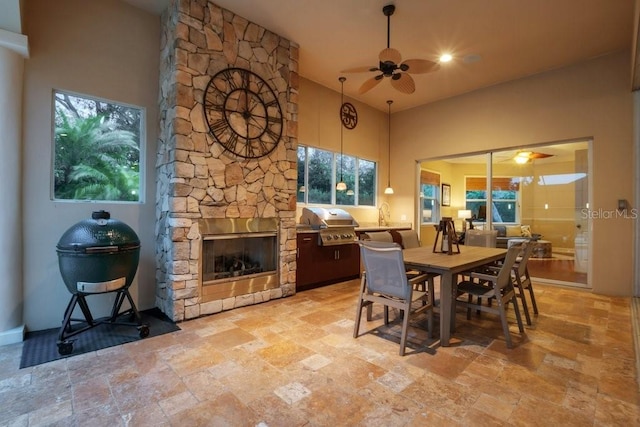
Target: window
(96,149)
(320,170)
(430,196)
(505,198)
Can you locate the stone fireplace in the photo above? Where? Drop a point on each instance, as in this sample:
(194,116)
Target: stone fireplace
(200,184)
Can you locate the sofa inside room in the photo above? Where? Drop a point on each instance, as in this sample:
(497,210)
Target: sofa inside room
(515,231)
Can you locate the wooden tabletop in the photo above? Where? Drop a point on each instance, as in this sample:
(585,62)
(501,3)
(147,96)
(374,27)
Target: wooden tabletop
(469,257)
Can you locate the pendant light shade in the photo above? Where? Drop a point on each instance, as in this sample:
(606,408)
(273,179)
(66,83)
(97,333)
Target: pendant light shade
(341,186)
(389,189)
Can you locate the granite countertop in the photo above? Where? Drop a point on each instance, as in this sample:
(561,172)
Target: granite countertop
(390,226)
(364,227)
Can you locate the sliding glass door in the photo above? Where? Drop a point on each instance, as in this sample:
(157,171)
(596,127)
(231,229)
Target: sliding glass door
(536,193)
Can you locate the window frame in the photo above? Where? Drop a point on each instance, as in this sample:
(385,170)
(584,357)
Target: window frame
(303,197)
(436,200)
(141,143)
(494,200)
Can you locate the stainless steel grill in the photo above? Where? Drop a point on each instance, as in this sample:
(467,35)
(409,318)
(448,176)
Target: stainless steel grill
(336,226)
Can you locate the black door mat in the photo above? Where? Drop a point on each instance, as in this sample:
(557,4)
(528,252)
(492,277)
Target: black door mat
(41,346)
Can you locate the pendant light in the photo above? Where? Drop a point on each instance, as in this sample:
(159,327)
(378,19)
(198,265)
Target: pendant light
(341,186)
(389,190)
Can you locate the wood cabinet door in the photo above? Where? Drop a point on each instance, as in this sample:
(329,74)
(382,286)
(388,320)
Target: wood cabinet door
(349,257)
(307,247)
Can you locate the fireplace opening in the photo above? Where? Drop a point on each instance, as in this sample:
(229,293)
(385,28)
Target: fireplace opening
(231,256)
(239,256)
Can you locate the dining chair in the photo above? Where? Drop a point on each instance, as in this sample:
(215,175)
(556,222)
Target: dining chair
(409,239)
(523,280)
(476,237)
(378,236)
(385,282)
(493,284)
(485,238)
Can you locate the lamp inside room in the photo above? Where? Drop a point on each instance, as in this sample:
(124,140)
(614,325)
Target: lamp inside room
(464,215)
(389,189)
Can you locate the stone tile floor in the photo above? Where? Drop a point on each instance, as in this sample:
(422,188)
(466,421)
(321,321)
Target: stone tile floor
(294,362)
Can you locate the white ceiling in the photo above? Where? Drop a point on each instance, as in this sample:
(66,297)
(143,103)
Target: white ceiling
(513,38)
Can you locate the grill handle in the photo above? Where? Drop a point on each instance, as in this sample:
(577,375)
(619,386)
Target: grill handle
(101,249)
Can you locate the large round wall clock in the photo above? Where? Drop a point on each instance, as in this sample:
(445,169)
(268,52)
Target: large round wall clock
(348,115)
(243,113)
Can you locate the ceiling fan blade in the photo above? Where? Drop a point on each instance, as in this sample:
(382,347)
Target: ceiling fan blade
(390,55)
(403,82)
(363,69)
(370,84)
(419,66)
(535,155)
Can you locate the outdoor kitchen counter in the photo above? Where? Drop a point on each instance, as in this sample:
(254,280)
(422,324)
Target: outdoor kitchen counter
(393,226)
(304,228)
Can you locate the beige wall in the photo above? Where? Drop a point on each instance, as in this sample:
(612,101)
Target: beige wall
(588,100)
(107,49)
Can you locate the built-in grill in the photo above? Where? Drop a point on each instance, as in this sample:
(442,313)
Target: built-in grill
(336,226)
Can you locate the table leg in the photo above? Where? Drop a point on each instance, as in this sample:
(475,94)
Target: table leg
(447,308)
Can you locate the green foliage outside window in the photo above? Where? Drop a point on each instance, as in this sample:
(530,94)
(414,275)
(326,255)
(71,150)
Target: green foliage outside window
(320,170)
(366,183)
(504,207)
(97,149)
(320,167)
(430,203)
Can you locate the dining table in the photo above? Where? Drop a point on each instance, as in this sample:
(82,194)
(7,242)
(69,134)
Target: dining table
(449,266)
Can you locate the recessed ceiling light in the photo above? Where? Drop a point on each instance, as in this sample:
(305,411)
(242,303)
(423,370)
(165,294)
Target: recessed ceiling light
(446,57)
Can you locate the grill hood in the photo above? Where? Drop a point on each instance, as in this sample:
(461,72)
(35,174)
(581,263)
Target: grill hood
(319,218)
(101,231)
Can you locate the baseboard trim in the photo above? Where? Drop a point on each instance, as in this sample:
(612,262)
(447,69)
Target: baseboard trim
(12,336)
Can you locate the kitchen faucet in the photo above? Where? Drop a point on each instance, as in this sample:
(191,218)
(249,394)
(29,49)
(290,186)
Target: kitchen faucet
(383,214)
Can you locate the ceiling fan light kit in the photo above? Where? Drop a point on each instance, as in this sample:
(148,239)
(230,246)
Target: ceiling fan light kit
(391,65)
(522,157)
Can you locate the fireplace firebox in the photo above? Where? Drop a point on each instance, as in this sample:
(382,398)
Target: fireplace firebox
(239,256)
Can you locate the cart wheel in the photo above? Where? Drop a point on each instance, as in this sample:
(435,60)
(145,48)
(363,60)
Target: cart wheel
(144,331)
(65,347)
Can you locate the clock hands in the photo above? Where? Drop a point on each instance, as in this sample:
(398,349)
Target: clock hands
(243,113)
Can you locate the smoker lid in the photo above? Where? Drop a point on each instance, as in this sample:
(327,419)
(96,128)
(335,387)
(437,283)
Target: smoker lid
(99,231)
(325,218)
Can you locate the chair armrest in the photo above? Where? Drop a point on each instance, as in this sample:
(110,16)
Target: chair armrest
(419,279)
(483,276)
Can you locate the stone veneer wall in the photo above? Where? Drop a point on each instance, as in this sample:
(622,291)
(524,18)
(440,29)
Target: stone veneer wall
(196,179)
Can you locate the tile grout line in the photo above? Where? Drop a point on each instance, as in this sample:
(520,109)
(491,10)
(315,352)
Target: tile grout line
(635,321)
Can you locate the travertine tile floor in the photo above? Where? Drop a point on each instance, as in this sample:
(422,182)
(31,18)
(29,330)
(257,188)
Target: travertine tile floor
(293,362)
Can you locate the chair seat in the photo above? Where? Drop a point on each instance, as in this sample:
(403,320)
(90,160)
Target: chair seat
(476,289)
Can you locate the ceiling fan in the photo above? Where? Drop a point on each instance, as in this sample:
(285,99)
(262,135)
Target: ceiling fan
(524,156)
(391,65)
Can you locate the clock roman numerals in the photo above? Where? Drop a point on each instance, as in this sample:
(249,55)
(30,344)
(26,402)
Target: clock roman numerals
(218,126)
(243,113)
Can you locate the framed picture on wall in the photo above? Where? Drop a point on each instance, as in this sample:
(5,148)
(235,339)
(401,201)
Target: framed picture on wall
(446,195)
